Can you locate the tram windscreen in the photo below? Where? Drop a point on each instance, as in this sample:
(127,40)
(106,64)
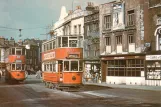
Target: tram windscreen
(18,66)
(74,65)
(66,65)
(18,51)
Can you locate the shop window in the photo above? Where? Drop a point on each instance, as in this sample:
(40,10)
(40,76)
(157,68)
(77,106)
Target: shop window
(66,65)
(74,65)
(125,67)
(64,41)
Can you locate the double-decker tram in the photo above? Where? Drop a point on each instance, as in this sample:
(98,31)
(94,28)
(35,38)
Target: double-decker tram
(62,63)
(15,66)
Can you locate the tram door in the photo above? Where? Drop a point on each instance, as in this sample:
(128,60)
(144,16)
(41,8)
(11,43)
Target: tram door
(60,68)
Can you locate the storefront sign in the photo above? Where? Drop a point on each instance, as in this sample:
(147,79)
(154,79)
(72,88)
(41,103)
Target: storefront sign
(49,55)
(119,57)
(153,57)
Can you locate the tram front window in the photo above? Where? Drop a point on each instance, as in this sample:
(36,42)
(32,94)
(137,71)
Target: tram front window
(64,41)
(13,51)
(18,66)
(13,66)
(74,65)
(23,67)
(18,51)
(66,65)
(80,65)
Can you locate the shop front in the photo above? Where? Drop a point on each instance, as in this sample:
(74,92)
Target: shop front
(123,69)
(153,69)
(92,71)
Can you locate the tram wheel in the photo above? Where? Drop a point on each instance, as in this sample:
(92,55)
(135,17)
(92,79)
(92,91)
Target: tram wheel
(50,85)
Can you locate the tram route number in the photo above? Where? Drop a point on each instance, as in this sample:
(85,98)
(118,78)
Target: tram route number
(73,56)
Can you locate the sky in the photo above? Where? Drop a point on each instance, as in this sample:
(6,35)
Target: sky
(33,16)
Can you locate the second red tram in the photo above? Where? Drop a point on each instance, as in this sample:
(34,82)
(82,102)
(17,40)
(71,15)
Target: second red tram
(62,63)
(15,66)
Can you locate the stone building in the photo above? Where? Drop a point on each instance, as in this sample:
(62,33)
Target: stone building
(91,43)
(122,42)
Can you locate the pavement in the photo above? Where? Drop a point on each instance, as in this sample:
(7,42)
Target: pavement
(140,87)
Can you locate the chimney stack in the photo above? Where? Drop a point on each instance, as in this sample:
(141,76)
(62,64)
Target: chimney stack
(78,7)
(2,40)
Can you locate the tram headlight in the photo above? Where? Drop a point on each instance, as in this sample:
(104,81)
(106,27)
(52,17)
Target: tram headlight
(73,78)
(18,74)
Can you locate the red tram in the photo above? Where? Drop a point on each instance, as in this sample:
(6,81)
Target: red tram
(15,67)
(62,63)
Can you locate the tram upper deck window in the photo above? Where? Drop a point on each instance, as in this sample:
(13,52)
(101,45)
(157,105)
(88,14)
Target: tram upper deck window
(59,41)
(23,51)
(72,43)
(74,65)
(18,51)
(64,41)
(53,44)
(13,51)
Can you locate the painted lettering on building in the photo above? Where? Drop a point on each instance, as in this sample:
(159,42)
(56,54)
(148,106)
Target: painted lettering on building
(119,57)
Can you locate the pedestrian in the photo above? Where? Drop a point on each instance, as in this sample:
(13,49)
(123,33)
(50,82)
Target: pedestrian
(38,74)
